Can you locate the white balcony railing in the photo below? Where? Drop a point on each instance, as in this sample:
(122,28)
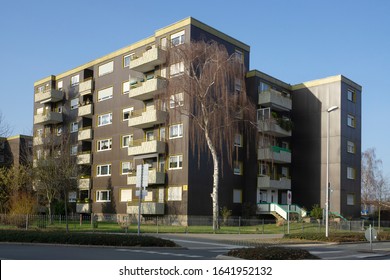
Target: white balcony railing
(85,134)
(51,95)
(86,87)
(86,111)
(283,183)
(146,147)
(154,178)
(276,99)
(146,90)
(148,118)
(148,208)
(48,117)
(149,59)
(274,154)
(85,158)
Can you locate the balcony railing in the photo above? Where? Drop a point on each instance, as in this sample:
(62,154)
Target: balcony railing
(86,111)
(38,140)
(147,208)
(274,127)
(146,90)
(83,207)
(86,87)
(146,147)
(149,59)
(282,183)
(84,158)
(51,95)
(48,117)
(275,154)
(275,99)
(154,178)
(84,183)
(148,118)
(85,134)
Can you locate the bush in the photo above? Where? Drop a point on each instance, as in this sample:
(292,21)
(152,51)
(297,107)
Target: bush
(271,253)
(57,237)
(333,237)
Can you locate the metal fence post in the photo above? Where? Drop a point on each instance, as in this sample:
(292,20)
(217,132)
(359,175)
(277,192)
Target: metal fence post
(263,227)
(239,225)
(27,222)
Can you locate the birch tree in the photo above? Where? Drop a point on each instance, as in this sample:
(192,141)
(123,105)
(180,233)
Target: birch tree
(210,83)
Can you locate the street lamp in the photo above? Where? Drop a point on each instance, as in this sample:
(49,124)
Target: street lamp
(331,109)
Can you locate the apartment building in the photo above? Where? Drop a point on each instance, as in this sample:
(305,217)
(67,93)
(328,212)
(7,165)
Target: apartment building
(15,150)
(109,109)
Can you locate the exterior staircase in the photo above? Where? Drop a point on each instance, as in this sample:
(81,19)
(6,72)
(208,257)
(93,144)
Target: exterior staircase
(279,211)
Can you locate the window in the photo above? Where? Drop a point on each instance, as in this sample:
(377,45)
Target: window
(103,196)
(176,131)
(177,38)
(237,86)
(264,169)
(351,173)
(59,130)
(127,141)
(103,170)
(176,69)
(176,100)
(127,167)
(73,150)
(351,147)
(263,87)
(125,87)
(105,94)
(162,134)
(176,162)
(126,60)
(175,193)
(39,132)
(104,145)
(351,94)
(284,172)
(74,103)
(60,85)
(237,196)
(237,168)
(126,195)
(351,121)
(106,68)
(105,119)
(238,140)
(350,199)
(149,135)
(74,127)
(239,55)
(126,113)
(75,80)
(40,89)
(163,43)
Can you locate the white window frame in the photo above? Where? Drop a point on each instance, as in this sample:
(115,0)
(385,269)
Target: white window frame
(74,103)
(105,94)
(177,38)
(176,69)
(351,173)
(126,195)
(351,95)
(127,113)
(176,100)
(100,144)
(350,199)
(75,80)
(129,141)
(125,87)
(237,196)
(126,60)
(238,167)
(74,127)
(101,119)
(100,197)
(60,85)
(129,167)
(351,120)
(175,193)
(59,130)
(237,140)
(351,147)
(176,131)
(106,68)
(99,169)
(73,150)
(177,160)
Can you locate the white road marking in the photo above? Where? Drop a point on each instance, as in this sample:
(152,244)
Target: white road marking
(160,253)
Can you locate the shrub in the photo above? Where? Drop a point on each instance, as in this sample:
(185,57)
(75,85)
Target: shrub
(271,253)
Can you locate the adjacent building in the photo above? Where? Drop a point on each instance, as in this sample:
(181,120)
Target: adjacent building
(15,150)
(108,110)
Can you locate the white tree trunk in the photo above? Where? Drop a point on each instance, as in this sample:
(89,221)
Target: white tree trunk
(214,194)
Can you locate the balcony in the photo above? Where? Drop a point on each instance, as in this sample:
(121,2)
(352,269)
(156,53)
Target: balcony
(86,87)
(282,183)
(146,90)
(147,208)
(84,158)
(154,178)
(274,154)
(275,99)
(48,117)
(51,95)
(85,134)
(86,111)
(38,140)
(84,183)
(149,60)
(147,118)
(83,207)
(274,128)
(146,147)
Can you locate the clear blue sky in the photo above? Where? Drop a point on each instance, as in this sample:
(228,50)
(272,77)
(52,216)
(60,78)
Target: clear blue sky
(294,41)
